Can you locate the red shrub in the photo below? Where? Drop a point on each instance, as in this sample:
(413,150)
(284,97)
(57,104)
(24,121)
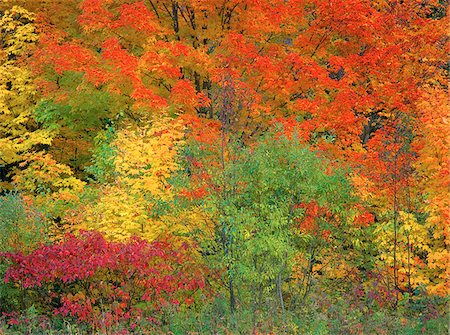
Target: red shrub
(101,282)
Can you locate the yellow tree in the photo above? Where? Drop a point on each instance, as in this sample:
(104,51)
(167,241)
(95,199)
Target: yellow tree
(433,168)
(51,187)
(24,164)
(134,202)
(19,133)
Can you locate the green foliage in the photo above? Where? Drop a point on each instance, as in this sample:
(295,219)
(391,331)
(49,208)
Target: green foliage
(83,111)
(103,156)
(21,226)
(255,198)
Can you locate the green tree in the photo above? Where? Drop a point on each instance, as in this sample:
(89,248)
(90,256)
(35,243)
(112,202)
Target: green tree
(258,199)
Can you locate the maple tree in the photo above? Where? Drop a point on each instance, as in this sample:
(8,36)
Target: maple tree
(139,166)
(149,53)
(432,166)
(19,133)
(301,146)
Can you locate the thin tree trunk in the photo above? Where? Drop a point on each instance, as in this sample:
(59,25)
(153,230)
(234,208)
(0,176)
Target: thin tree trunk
(395,232)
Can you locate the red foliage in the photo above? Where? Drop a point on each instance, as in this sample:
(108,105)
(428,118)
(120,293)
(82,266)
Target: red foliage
(312,223)
(100,282)
(183,93)
(196,194)
(365,219)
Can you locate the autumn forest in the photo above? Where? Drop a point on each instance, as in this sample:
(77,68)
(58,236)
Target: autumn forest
(224,167)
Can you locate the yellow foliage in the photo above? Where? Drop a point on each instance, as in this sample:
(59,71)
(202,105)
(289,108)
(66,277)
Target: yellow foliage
(363,187)
(50,186)
(43,175)
(433,168)
(118,214)
(146,158)
(412,240)
(18,131)
(17,33)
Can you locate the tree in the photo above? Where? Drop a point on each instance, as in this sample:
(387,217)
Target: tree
(52,188)
(342,71)
(134,189)
(266,204)
(433,169)
(19,133)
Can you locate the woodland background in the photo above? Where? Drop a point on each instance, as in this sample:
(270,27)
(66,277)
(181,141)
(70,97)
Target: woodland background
(224,167)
